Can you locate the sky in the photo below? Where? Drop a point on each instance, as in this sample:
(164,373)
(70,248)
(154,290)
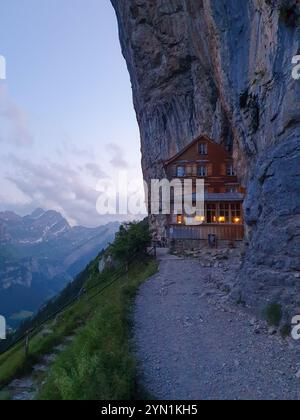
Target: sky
(66,114)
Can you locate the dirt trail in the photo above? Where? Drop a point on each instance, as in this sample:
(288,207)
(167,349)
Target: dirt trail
(26,388)
(192,344)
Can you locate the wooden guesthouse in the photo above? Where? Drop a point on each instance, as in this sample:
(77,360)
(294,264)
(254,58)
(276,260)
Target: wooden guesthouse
(224,196)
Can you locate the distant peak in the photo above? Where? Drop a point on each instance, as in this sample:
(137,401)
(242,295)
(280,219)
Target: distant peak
(9,216)
(37,213)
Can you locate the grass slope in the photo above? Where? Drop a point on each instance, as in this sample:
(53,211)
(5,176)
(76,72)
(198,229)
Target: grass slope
(99,363)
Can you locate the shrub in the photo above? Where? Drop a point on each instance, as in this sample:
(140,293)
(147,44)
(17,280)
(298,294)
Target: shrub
(240,301)
(285,331)
(132,239)
(273,314)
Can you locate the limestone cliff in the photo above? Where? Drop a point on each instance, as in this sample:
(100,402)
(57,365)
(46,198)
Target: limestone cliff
(223,68)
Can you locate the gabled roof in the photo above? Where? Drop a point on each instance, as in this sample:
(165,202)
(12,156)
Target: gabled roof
(197,140)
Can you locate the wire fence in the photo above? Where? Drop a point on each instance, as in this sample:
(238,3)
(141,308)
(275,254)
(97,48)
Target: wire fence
(121,271)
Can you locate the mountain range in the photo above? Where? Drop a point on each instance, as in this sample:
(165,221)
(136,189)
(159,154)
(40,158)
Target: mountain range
(39,254)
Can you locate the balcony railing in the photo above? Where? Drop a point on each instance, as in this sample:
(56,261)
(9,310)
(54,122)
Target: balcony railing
(201,232)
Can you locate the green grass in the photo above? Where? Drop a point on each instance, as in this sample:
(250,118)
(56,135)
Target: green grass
(4,396)
(14,363)
(99,364)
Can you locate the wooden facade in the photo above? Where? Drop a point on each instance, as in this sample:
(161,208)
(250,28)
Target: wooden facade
(222,232)
(223,215)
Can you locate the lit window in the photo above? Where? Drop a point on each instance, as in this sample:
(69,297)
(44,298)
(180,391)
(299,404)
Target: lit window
(203,148)
(180,171)
(224,213)
(236,214)
(202,171)
(211,213)
(200,219)
(180,219)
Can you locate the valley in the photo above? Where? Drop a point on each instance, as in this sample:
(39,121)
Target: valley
(40,254)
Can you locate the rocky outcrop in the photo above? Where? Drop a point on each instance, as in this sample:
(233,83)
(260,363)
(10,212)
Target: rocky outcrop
(223,68)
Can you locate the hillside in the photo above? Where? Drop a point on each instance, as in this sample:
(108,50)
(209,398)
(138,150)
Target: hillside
(87,346)
(39,254)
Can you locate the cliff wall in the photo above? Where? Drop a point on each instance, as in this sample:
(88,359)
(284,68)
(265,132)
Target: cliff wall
(223,68)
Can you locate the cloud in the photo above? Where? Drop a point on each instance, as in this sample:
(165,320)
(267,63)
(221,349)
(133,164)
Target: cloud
(117,156)
(95,170)
(56,186)
(67,147)
(16,121)
(59,186)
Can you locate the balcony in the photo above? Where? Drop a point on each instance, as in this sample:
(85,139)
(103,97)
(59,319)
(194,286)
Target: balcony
(224,232)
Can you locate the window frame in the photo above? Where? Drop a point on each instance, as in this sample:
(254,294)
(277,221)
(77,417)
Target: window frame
(211,212)
(183,173)
(224,212)
(203,148)
(200,174)
(232,189)
(230,170)
(236,213)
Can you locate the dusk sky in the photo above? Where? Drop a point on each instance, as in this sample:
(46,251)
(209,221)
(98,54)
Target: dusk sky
(66,113)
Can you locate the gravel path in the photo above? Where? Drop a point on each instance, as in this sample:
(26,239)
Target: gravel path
(192,345)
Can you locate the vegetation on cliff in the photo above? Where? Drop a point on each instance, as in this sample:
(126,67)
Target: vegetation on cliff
(98,363)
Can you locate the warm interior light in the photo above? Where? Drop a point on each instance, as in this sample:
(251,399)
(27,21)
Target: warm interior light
(200,219)
(180,220)
(237,220)
(222,219)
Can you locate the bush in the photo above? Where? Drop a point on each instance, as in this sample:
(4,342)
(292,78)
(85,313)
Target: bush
(132,239)
(285,331)
(273,314)
(240,301)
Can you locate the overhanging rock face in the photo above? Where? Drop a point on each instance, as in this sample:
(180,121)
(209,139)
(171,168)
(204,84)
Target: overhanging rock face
(224,68)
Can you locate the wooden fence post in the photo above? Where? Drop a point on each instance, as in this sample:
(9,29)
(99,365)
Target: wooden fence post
(27,345)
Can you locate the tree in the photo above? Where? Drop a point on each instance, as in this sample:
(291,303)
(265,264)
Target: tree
(132,239)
